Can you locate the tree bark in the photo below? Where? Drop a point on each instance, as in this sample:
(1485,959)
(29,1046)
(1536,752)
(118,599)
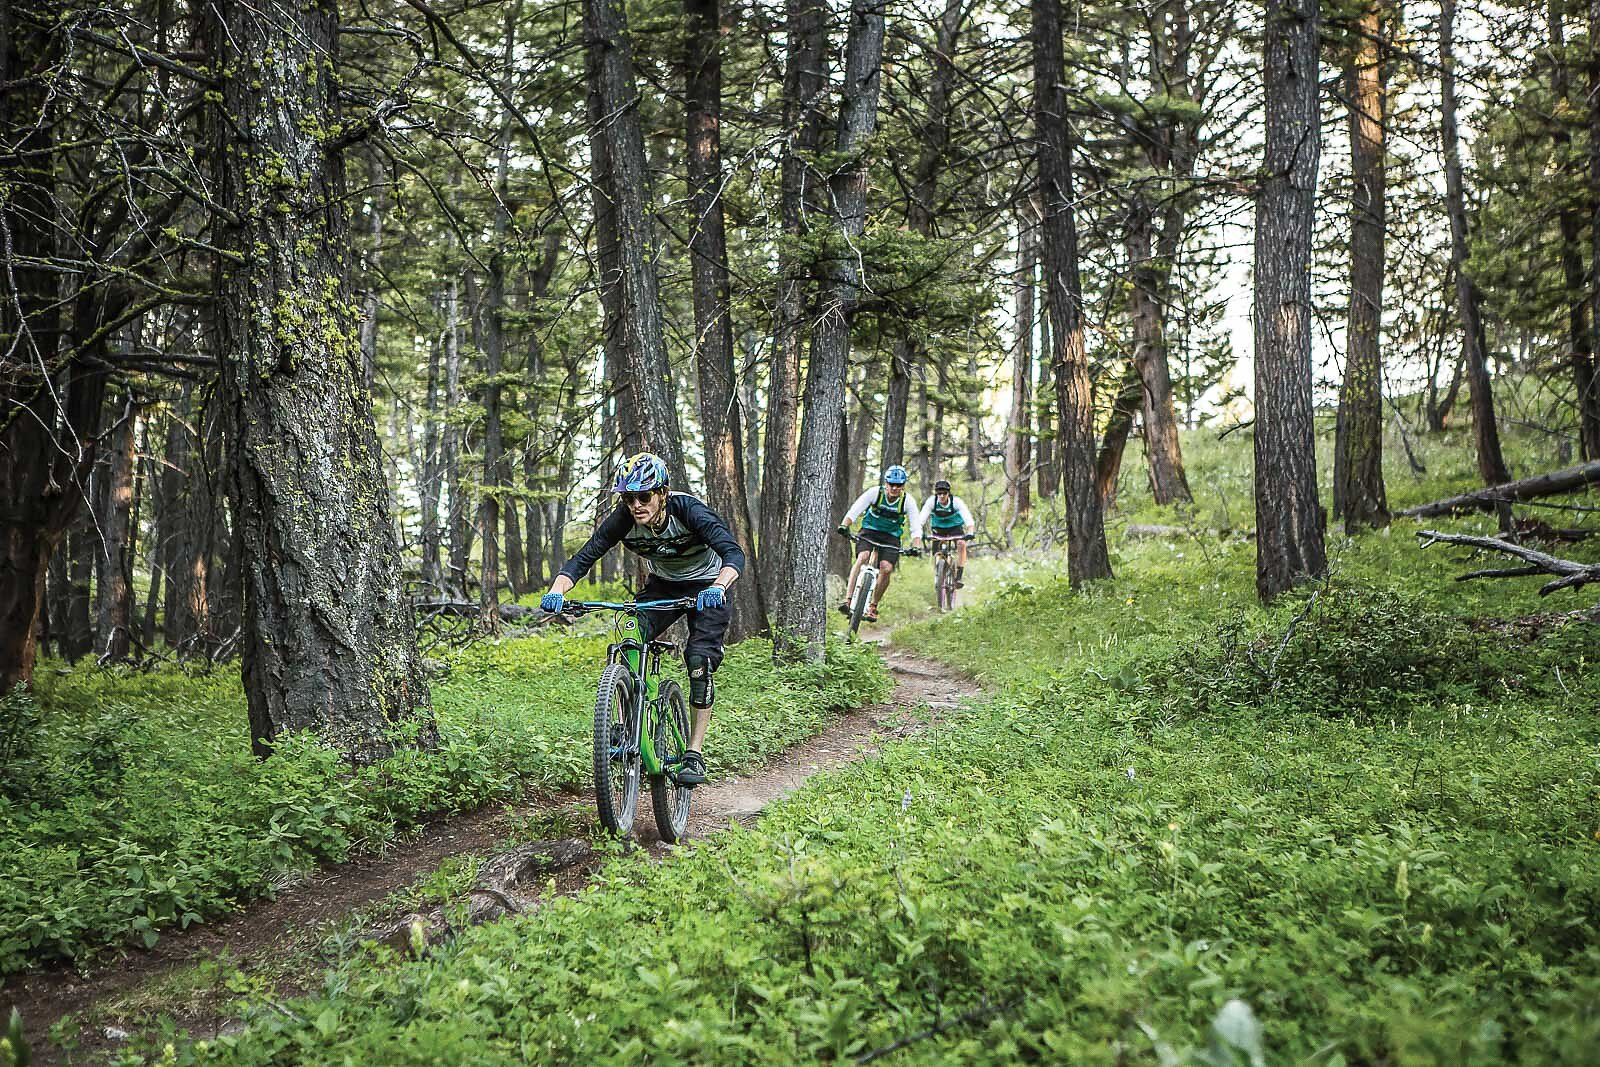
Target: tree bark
(1358,491)
(617,151)
(802,603)
(1087,556)
(457,526)
(1589,401)
(1108,465)
(1289,522)
(431,469)
(1045,406)
(1485,429)
(1151,286)
(494,348)
(1580,329)
(50,423)
(329,642)
(805,76)
(113,583)
(1019,448)
(720,426)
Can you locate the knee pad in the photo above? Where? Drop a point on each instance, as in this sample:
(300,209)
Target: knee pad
(702,690)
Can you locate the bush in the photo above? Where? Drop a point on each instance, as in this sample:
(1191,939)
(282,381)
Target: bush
(1363,652)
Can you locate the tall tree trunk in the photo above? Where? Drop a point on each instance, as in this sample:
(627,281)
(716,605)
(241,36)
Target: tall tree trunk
(720,425)
(801,606)
(155,559)
(329,642)
(1580,328)
(1019,448)
(1589,401)
(1044,440)
(933,136)
(804,79)
(1151,287)
(619,138)
(494,348)
(1289,521)
(457,526)
(1358,493)
(83,547)
(431,470)
(974,419)
(1108,464)
(902,357)
(1485,429)
(113,583)
(50,422)
(1087,556)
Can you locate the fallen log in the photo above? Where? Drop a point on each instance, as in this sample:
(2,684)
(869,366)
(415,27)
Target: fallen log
(1569,574)
(508,884)
(1568,480)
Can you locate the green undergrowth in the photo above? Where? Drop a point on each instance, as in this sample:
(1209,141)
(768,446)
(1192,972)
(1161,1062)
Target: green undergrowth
(1371,815)
(131,801)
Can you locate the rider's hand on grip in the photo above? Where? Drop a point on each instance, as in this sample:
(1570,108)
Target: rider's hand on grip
(844,530)
(710,597)
(968,537)
(553,603)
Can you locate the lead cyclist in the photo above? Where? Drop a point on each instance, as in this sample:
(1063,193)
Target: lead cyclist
(689,552)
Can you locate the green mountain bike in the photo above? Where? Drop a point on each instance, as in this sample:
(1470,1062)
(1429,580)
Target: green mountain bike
(641,724)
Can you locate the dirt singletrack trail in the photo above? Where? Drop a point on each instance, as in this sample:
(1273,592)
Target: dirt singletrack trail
(107,1001)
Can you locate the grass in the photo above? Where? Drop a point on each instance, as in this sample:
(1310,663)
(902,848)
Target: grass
(137,805)
(1355,828)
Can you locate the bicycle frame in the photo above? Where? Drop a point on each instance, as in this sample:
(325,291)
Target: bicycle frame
(644,668)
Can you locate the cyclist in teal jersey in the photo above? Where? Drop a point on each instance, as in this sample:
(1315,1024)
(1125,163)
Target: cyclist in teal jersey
(946,515)
(884,512)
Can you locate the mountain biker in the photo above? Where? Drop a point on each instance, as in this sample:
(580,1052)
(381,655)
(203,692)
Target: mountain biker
(883,511)
(689,552)
(946,514)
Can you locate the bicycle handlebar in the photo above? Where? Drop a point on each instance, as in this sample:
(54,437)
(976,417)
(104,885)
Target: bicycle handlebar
(957,537)
(578,607)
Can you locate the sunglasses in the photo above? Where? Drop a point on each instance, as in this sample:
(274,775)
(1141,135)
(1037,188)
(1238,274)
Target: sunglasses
(638,498)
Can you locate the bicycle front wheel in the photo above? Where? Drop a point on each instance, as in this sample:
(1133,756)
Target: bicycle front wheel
(858,609)
(670,735)
(616,756)
(942,593)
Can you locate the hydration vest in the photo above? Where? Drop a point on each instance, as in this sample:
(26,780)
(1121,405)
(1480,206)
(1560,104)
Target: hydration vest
(886,516)
(942,518)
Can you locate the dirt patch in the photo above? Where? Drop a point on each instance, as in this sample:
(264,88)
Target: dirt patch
(104,1000)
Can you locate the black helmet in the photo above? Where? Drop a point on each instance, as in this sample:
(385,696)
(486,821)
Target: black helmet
(941,486)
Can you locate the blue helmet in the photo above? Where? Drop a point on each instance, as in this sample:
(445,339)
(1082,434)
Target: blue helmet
(640,474)
(896,475)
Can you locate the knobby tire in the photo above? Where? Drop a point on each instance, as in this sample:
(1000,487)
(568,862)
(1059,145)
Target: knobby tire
(616,778)
(863,598)
(669,799)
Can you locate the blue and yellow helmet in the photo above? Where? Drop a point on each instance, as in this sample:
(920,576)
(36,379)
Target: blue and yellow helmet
(641,473)
(896,475)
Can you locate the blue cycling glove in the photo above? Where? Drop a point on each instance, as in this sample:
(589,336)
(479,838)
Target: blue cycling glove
(552,602)
(710,597)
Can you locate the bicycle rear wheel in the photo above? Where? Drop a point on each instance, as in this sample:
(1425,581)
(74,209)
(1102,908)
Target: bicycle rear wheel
(616,757)
(864,585)
(670,735)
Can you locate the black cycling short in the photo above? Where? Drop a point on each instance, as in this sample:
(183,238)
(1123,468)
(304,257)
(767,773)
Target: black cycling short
(888,545)
(708,627)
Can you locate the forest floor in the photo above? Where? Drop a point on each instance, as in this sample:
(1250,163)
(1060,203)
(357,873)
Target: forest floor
(191,978)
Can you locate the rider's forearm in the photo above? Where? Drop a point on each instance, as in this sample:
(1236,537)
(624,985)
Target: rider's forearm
(561,584)
(726,577)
